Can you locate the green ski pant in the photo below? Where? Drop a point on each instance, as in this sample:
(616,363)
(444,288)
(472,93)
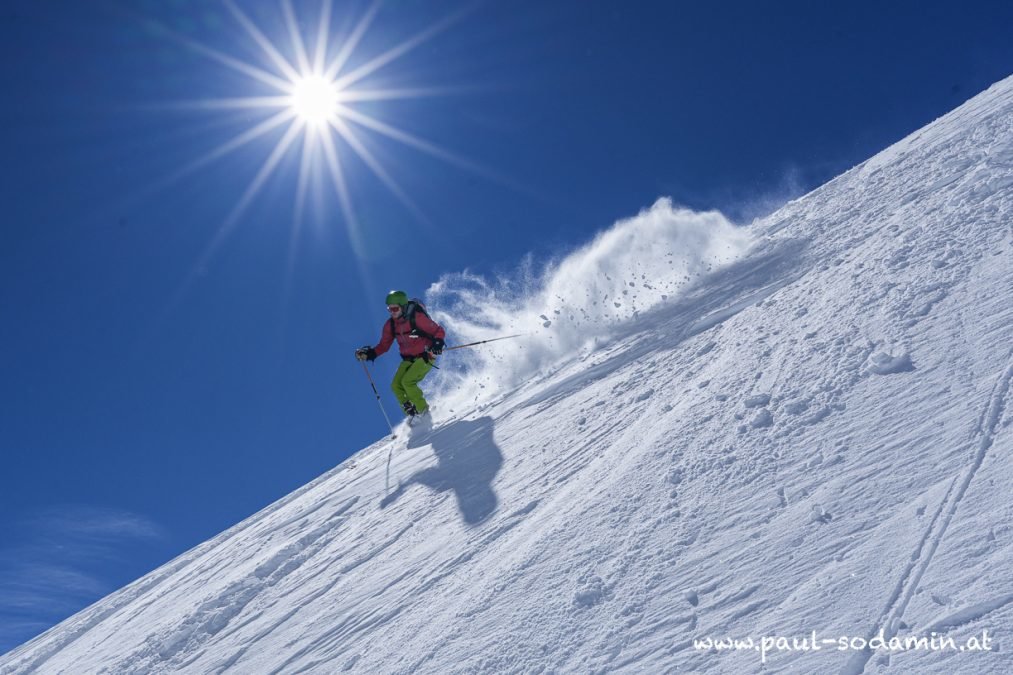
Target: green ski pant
(406,383)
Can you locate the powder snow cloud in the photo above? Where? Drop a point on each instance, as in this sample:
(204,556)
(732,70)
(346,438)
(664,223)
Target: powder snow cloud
(574,303)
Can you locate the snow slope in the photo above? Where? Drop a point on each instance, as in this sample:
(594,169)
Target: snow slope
(815,437)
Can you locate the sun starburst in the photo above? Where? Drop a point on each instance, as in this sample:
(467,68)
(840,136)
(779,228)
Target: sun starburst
(316,95)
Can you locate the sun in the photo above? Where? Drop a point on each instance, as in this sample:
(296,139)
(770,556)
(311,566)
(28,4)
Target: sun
(308,89)
(315,100)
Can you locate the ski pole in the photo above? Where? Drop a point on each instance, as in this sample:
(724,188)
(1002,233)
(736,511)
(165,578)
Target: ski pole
(482,342)
(378,401)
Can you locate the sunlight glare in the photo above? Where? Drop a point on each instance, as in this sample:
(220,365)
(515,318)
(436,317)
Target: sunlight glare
(314,100)
(317,96)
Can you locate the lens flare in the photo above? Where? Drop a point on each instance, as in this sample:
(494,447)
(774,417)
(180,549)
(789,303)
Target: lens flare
(307,88)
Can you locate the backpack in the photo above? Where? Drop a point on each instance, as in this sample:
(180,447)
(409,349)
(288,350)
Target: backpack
(414,305)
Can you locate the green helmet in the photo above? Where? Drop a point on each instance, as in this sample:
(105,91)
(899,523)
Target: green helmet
(397,298)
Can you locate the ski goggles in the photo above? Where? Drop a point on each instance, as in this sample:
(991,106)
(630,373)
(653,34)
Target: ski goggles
(393,309)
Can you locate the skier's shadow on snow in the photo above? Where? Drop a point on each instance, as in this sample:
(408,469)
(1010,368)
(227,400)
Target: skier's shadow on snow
(468,460)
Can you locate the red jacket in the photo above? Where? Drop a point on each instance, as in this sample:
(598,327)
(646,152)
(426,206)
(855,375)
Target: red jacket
(410,346)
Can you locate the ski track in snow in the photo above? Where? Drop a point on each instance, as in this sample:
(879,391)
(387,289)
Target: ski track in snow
(798,442)
(921,557)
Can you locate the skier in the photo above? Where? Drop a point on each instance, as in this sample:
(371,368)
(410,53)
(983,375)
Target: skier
(420,341)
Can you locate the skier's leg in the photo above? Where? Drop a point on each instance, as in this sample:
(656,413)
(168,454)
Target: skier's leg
(410,383)
(397,384)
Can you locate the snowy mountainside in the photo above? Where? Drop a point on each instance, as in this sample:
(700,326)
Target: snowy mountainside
(816,437)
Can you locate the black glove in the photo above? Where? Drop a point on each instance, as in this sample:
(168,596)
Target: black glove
(437,347)
(366,353)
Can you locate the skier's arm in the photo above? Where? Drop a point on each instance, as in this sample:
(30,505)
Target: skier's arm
(386,339)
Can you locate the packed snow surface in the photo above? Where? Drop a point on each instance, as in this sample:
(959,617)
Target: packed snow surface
(813,437)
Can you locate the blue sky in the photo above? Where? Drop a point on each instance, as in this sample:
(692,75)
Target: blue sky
(175,357)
